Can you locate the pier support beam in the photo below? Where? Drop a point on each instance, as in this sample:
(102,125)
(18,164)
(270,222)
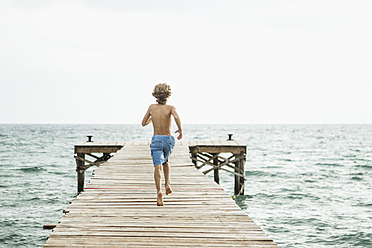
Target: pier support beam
(211,156)
(83,164)
(194,158)
(80,164)
(239,176)
(216,168)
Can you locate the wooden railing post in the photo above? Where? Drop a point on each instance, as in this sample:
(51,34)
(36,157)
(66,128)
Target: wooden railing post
(216,170)
(239,168)
(80,172)
(194,155)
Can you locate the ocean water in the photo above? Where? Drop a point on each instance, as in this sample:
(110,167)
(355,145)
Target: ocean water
(307,185)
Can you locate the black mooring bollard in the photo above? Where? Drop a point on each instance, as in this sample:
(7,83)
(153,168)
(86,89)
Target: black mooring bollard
(230,136)
(90,138)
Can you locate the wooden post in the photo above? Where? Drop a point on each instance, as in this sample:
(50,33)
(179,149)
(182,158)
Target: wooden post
(239,180)
(242,179)
(80,172)
(194,155)
(49,226)
(216,174)
(106,156)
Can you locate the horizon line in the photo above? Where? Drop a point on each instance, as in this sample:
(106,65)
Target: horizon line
(295,123)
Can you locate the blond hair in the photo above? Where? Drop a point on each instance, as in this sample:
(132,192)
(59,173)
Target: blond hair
(161,93)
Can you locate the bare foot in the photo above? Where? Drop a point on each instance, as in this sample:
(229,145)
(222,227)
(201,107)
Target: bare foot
(160,199)
(168,190)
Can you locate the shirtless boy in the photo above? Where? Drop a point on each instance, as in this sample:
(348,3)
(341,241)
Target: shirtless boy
(162,142)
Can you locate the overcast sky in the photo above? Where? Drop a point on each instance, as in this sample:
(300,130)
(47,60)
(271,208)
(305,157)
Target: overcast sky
(249,61)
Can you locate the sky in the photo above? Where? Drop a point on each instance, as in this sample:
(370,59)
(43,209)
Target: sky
(227,62)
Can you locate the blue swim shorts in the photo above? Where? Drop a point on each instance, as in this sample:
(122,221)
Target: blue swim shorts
(161,148)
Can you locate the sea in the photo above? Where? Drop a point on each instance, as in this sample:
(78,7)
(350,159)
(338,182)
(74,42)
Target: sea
(307,185)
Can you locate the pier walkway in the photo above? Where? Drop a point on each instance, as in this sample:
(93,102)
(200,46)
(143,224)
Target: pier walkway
(118,208)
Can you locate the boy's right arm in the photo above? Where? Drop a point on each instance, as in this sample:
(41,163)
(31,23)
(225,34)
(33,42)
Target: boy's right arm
(178,122)
(147,118)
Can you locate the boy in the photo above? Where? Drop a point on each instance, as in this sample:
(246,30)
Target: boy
(162,142)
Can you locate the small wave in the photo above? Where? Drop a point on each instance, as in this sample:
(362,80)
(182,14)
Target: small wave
(9,205)
(364,205)
(329,164)
(9,222)
(273,167)
(360,239)
(259,173)
(277,229)
(303,221)
(296,196)
(264,195)
(350,156)
(31,169)
(357,174)
(302,196)
(309,181)
(355,150)
(66,173)
(285,159)
(356,178)
(284,152)
(368,167)
(34,199)
(362,159)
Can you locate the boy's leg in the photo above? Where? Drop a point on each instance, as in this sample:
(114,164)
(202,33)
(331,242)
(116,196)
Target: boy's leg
(157,177)
(168,189)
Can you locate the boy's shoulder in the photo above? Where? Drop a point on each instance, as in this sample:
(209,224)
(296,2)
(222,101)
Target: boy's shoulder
(159,105)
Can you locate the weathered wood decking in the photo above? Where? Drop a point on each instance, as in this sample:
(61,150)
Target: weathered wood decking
(118,208)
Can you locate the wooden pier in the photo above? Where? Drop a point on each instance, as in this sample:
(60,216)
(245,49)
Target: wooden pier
(117,208)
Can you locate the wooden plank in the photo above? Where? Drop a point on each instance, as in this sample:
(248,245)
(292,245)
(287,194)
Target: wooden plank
(60,241)
(190,143)
(97,149)
(219,149)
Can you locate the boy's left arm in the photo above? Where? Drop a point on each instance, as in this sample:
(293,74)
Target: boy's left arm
(178,122)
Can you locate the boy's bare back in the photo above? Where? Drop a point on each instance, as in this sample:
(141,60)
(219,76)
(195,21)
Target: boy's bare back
(160,116)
